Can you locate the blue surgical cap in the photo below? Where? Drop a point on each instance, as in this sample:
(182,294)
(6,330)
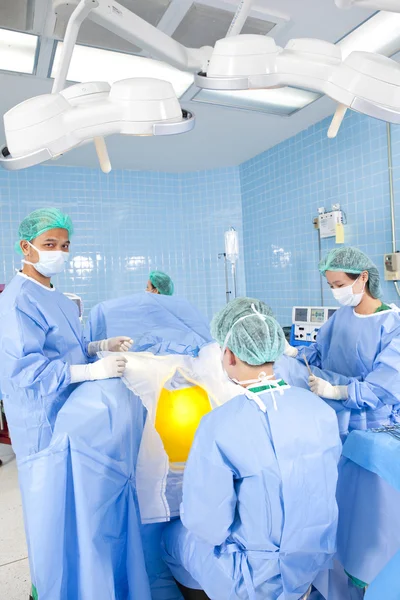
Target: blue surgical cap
(352,260)
(162,282)
(40,221)
(249,330)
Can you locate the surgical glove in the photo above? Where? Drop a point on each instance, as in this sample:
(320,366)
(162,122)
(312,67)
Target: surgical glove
(106,368)
(326,390)
(290,351)
(114,344)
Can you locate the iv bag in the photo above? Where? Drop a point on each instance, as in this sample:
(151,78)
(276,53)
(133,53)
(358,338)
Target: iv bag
(232,245)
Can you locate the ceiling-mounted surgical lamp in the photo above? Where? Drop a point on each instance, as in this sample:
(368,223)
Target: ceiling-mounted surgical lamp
(365,82)
(47,126)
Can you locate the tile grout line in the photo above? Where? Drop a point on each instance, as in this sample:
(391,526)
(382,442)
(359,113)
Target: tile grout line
(13,562)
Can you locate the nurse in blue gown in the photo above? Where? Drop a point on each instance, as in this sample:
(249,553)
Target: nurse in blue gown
(360,341)
(259,514)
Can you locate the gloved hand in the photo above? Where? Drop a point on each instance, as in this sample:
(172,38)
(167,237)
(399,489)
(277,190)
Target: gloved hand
(114,344)
(290,350)
(326,390)
(105,368)
(117,344)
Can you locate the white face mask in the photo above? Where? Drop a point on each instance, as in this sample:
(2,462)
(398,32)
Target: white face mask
(346,297)
(51,262)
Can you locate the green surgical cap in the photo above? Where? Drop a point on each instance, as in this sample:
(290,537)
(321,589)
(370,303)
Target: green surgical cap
(40,221)
(162,282)
(352,260)
(256,339)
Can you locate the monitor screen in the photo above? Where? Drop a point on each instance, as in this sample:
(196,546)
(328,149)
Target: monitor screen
(331,311)
(317,315)
(300,315)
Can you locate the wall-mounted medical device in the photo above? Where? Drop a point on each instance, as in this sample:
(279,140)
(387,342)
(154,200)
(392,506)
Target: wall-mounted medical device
(392,266)
(329,223)
(307,321)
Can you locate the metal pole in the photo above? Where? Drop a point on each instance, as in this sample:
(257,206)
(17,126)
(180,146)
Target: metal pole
(78,16)
(234,279)
(240,18)
(321,283)
(391,192)
(227,292)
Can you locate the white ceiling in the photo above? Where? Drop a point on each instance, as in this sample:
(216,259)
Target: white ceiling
(222,136)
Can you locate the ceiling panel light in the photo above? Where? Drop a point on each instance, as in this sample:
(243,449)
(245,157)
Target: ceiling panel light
(95,64)
(381,33)
(17,51)
(283,101)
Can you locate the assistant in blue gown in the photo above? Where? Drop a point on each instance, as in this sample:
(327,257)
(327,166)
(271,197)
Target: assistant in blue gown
(259,514)
(41,336)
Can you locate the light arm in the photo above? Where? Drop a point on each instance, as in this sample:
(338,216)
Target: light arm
(128,26)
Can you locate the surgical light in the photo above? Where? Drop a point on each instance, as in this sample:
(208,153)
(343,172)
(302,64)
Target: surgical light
(363,81)
(49,125)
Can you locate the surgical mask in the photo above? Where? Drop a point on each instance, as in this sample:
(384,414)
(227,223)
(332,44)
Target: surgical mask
(51,262)
(346,297)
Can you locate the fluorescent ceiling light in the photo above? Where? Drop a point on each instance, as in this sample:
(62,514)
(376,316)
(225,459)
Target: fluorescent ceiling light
(381,34)
(95,64)
(283,101)
(17,51)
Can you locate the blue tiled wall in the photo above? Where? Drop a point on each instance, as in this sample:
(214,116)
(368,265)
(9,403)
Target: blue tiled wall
(128,223)
(281,192)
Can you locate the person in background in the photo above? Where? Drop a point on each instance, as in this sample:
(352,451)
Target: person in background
(160,283)
(259,514)
(42,352)
(360,341)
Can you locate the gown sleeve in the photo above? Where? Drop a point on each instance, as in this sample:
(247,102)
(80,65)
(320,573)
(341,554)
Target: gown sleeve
(95,329)
(209,497)
(22,358)
(316,351)
(382,385)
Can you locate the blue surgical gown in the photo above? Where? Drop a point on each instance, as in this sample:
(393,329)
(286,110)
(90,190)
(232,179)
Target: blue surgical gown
(259,514)
(296,374)
(40,338)
(157,324)
(367,350)
(80,506)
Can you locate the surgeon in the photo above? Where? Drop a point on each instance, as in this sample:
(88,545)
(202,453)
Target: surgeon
(42,353)
(160,283)
(360,341)
(259,515)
